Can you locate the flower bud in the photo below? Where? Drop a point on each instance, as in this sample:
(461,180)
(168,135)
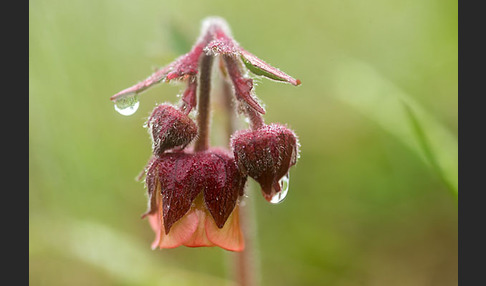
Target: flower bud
(169,127)
(266,154)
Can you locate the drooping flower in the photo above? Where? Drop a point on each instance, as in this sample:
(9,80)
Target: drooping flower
(194,189)
(266,155)
(194,199)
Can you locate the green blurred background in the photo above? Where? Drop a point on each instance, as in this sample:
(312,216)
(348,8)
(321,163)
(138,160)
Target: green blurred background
(372,200)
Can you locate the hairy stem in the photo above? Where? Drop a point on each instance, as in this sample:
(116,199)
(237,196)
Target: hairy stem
(243,90)
(256,119)
(227,99)
(203,111)
(245,262)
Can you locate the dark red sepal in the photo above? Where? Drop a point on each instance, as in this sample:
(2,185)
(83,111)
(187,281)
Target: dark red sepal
(170,127)
(266,154)
(223,186)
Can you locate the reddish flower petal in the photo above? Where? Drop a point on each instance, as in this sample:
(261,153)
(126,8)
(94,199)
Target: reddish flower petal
(199,237)
(188,231)
(230,236)
(155,222)
(197,229)
(154,217)
(181,232)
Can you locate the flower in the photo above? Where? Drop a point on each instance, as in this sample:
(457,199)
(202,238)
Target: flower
(193,199)
(194,190)
(266,155)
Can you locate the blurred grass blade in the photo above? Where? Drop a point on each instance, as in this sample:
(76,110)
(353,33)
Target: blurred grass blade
(119,254)
(361,86)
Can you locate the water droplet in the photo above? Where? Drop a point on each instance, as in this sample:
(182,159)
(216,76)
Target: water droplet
(127,105)
(284,186)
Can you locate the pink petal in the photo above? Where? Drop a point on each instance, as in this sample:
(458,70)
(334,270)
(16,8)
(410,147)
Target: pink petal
(198,229)
(230,236)
(181,232)
(199,238)
(155,219)
(155,223)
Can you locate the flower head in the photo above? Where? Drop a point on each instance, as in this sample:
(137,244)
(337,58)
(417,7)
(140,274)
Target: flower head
(194,199)
(194,191)
(266,155)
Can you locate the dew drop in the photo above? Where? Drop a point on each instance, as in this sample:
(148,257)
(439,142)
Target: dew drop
(284,186)
(127,105)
